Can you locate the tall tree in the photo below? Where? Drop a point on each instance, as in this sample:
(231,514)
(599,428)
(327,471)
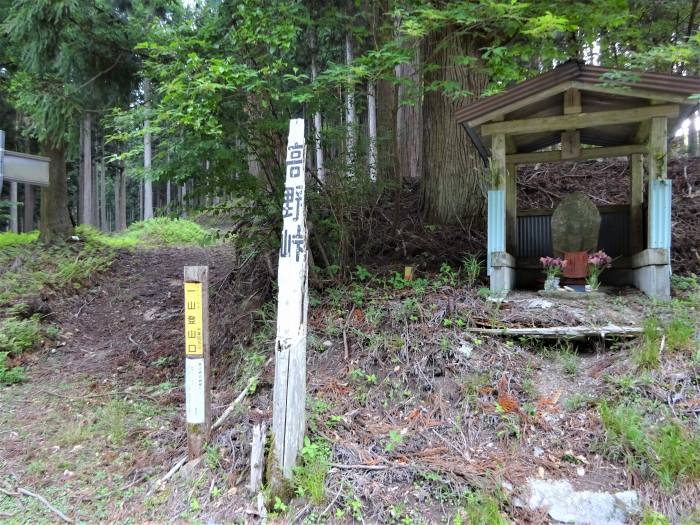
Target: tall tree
(453,175)
(70,57)
(86,190)
(147,154)
(350,113)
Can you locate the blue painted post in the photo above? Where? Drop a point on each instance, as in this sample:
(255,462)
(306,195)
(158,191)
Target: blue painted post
(496,241)
(660,213)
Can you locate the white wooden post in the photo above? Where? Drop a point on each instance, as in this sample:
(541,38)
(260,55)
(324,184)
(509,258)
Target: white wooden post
(197,368)
(288,422)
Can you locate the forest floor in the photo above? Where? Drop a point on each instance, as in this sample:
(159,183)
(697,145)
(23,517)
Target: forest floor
(412,417)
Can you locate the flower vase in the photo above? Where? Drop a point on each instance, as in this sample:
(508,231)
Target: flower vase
(592,284)
(551,284)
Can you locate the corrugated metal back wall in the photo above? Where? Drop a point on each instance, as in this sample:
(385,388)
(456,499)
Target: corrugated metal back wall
(535,233)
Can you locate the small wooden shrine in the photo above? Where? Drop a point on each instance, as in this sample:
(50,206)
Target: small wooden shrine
(591,112)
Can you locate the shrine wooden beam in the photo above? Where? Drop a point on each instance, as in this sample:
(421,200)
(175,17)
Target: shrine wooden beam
(580,120)
(584,154)
(659,96)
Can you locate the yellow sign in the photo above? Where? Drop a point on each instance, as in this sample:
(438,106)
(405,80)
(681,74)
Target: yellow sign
(193,319)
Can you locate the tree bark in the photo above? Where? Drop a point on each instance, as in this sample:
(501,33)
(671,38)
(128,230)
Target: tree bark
(140,217)
(86,212)
(95,195)
(318,123)
(454,181)
(147,153)
(372,130)
(55,225)
(103,191)
(693,136)
(386,92)
(409,121)
(350,117)
(120,199)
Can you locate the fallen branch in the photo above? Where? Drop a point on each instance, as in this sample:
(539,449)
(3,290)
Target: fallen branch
(367,467)
(237,401)
(568,332)
(48,505)
(162,481)
(138,346)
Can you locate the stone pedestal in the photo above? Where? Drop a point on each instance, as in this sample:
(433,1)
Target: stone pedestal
(502,273)
(651,273)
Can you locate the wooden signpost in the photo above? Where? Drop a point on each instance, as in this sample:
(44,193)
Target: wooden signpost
(197,367)
(21,168)
(288,422)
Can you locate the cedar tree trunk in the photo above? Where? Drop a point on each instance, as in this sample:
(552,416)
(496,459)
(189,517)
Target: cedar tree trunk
(454,181)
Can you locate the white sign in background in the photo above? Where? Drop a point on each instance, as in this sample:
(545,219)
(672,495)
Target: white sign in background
(194,390)
(290,347)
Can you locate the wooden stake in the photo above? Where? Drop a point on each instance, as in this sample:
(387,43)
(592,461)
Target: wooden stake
(197,367)
(288,422)
(257,455)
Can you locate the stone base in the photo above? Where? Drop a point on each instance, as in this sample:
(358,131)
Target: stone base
(652,273)
(502,273)
(566,294)
(654,280)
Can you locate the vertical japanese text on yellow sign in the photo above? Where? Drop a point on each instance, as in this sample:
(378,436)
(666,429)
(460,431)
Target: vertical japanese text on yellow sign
(193,319)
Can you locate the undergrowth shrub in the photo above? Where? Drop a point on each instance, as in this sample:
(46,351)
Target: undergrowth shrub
(161,231)
(169,231)
(669,452)
(480,508)
(677,335)
(310,476)
(646,354)
(8,239)
(16,336)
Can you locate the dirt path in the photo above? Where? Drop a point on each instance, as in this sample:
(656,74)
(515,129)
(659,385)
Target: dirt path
(101,410)
(131,319)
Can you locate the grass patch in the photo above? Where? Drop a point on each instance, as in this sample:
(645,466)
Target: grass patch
(668,452)
(480,508)
(310,476)
(578,401)
(16,336)
(9,239)
(161,231)
(647,354)
(29,269)
(569,359)
(677,336)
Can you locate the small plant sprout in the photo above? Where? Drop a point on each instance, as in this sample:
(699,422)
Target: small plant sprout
(362,273)
(472,269)
(394,440)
